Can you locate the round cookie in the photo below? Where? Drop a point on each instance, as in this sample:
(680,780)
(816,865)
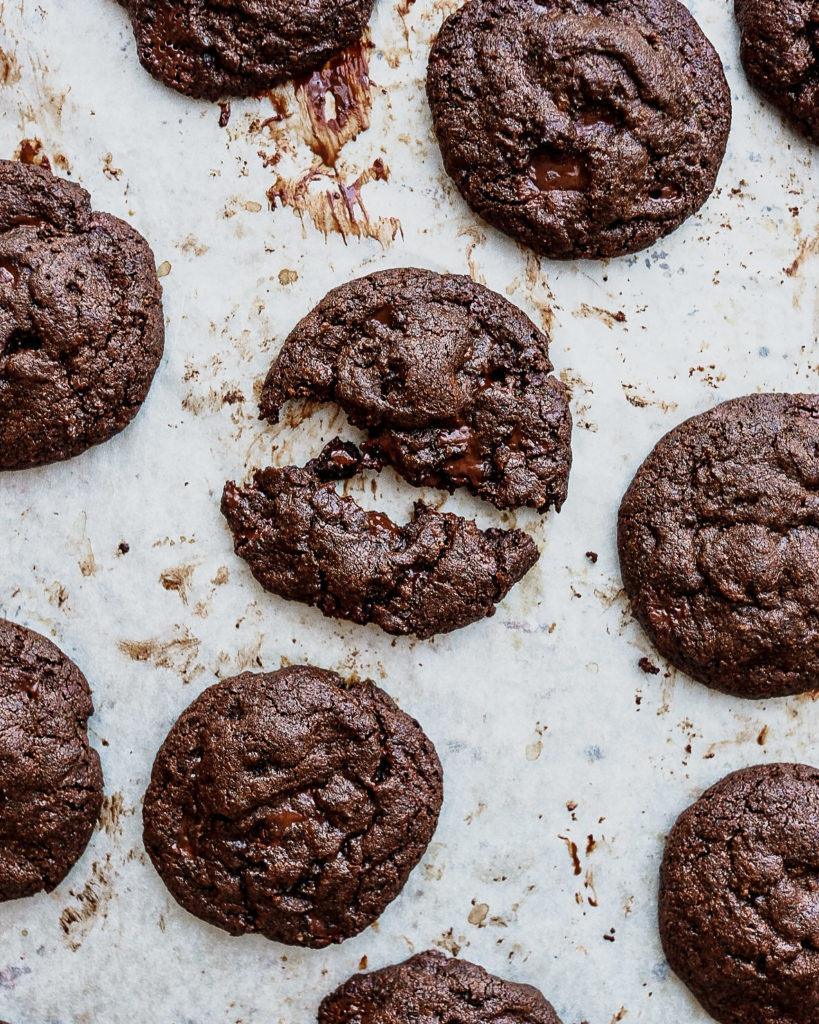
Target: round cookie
(292,804)
(780,54)
(209,48)
(739,899)
(436,989)
(582,128)
(452,382)
(718,537)
(50,776)
(81,323)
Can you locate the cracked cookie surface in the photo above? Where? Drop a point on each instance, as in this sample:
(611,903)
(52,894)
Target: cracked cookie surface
(305,542)
(291,803)
(718,537)
(739,896)
(81,323)
(780,54)
(452,382)
(434,987)
(213,48)
(50,776)
(582,129)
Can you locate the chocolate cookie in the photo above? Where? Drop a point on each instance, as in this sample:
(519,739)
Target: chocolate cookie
(582,128)
(719,545)
(292,804)
(212,48)
(81,323)
(451,381)
(50,777)
(739,898)
(435,989)
(306,543)
(780,54)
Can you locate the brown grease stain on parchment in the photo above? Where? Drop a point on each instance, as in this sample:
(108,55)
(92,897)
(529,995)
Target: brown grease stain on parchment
(808,247)
(10,72)
(177,653)
(112,812)
(39,98)
(641,396)
(338,209)
(90,905)
(403,8)
(605,316)
(178,578)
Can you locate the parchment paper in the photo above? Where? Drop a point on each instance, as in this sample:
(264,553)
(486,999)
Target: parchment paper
(565,764)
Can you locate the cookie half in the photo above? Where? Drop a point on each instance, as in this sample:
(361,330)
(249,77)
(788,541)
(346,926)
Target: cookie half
(291,803)
(50,776)
(305,542)
(209,48)
(718,536)
(81,323)
(452,382)
(780,54)
(739,898)
(436,989)
(580,128)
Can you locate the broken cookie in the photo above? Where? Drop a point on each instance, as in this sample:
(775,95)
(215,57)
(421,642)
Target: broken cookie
(305,542)
(452,382)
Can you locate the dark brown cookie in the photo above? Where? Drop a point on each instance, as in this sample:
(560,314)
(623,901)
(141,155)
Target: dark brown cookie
(306,543)
(451,381)
(739,896)
(582,128)
(719,545)
(292,804)
(50,777)
(435,989)
(81,323)
(213,48)
(780,54)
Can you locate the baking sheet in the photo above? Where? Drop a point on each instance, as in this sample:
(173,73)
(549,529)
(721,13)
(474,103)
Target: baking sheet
(565,764)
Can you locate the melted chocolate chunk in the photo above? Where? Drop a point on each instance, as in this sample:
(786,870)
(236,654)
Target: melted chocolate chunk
(292,804)
(50,777)
(452,382)
(582,128)
(306,543)
(81,323)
